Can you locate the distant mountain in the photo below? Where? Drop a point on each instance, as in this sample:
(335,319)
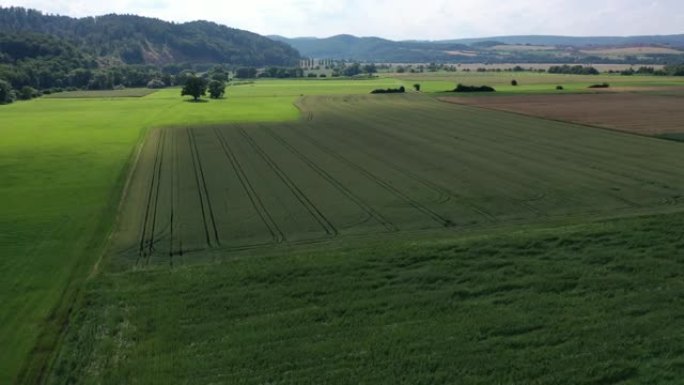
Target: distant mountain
(128,39)
(556,49)
(672,40)
(372,48)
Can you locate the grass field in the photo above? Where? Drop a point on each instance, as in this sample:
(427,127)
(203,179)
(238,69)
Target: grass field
(355,188)
(530,82)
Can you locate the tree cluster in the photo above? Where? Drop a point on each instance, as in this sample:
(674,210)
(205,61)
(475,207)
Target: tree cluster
(399,90)
(464,88)
(573,70)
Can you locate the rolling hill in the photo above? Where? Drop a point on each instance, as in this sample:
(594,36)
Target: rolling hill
(129,39)
(502,49)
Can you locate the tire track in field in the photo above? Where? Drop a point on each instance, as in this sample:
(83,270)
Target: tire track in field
(445,222)
(254,198)
(337,184)
(203,192)
(324,222)
(151,248)
(443,191)
(150,195)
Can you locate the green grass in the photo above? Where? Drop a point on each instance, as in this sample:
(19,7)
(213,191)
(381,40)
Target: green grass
(591,304)
(63,164)
(529,82)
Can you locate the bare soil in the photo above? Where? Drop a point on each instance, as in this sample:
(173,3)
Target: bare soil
(640,113)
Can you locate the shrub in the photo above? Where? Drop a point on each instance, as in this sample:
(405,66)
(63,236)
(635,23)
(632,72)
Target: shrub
(399,90)
(514,83)
(322,76)
(559,88)
(155,84)
(27,93)
(417,87)
(311,75)
(6,93)
(463,88)
(602,85)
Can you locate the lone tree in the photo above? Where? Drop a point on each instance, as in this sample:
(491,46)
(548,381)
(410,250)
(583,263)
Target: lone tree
(417,87)
(514,83)
(216,89)
(195,87)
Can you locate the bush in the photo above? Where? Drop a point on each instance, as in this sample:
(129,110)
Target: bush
(6,92)
(602,85)
(28,93)
(463,88)
(155,84)
(217,89)
(322,76)
(417,87)
(399,90)
(514,83)
(559,88)
(311,75)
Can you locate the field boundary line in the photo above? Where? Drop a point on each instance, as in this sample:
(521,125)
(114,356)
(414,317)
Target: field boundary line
(254,198)
(415,204)
(337,184)
(150,192)
(315,212)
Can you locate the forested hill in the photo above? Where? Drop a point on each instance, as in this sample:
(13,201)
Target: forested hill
(128,39)
(372,49)
(506,49)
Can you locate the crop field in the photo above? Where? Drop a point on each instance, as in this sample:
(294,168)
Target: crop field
(641,113)
(307,232)
(399,164)
(472,246)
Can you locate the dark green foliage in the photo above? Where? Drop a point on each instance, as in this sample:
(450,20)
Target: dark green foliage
(559,88)
(573,70)
(601,85)
(216,89)
(140,40)
(28,93)
(674,70)
(514,83)
(352,70)
(464,88)
(246,73)
(416,87)
(399,90)
(6,93)
(44,51)
(155,84)
(194,86)
(283,73)
(370,69)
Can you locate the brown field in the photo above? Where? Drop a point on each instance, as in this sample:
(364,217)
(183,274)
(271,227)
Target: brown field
(633,112)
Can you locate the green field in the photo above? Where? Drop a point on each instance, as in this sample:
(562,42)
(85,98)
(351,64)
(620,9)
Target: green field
(379,239)
(530,82)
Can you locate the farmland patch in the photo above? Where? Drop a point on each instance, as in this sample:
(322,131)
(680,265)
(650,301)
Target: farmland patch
(379,166)
(641,113)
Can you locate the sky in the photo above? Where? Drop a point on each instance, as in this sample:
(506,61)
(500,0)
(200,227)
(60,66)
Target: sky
(400,19)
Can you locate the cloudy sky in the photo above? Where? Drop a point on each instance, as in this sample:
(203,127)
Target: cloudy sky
(400,19)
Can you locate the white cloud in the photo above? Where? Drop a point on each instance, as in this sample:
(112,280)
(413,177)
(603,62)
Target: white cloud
(400,19)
